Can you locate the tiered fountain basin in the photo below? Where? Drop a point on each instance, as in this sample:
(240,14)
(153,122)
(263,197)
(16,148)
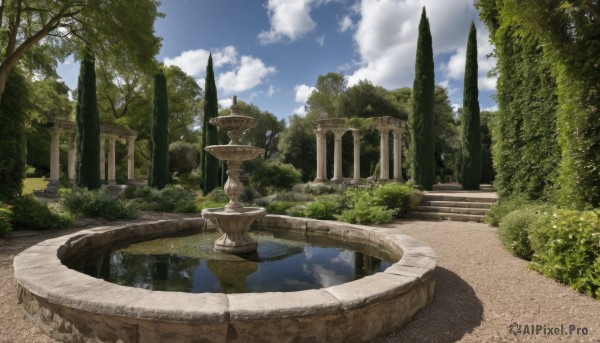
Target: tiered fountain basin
(72,307)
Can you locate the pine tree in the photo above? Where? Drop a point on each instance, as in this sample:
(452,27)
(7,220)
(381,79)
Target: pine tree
(159,169)
(421,120)
(13,112)
(471,131)
(210,135)
(87,121)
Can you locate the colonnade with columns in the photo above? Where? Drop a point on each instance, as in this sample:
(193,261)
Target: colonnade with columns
(338,126)
(108,133)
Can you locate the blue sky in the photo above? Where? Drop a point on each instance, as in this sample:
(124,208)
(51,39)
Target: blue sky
(271,52)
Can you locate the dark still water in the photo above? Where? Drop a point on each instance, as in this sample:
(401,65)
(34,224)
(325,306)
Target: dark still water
(281,264)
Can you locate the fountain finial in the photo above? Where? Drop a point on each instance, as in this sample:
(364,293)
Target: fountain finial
(234,107)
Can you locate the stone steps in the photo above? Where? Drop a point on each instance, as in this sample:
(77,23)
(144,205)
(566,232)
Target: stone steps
(458,206)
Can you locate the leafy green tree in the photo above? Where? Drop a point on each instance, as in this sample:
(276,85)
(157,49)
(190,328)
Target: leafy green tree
(470,122)
(40,32)
(421,121)
(297,146)
(447,142)
(209,132)
(87,138)
(365,100)
(159,170)
(487,167)
(185,100)
(14,108)
(324,100)
(525,149)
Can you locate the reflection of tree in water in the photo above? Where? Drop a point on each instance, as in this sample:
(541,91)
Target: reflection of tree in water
(365,265)
(232,274)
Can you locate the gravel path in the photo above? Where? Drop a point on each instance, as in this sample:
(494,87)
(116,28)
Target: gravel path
(480,291)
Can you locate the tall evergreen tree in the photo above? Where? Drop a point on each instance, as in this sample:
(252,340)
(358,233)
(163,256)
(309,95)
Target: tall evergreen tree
(470,122)
(13,112)
(210,134)
(421,120)
(159,169)
(87,126)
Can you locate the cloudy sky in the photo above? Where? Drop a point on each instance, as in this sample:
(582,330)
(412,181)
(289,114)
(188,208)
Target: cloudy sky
(271,52)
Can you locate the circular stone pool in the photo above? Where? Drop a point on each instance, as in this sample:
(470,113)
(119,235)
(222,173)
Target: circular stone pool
(284,262)
(72,306)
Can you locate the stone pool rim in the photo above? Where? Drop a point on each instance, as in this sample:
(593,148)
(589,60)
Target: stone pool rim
(66,303)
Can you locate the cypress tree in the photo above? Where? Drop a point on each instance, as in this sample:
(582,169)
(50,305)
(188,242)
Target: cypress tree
(13,112)
(159,169)
(210,136)
(471,132)
(87,138)
(421,120)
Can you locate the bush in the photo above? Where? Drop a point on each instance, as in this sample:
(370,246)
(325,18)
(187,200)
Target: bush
(328,206)
(273,175)
(217,195)
(318,189)
(566,248)
(365,211)
(169,199)
(500,209)
(393,196)
(280,207)
(183,157)
(209,204)
(97,203)
(5,215)
(29,213)
(515,227)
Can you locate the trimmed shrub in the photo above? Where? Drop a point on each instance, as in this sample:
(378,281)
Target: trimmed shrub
(500,209)
(280,207)
(97,203)
(566,248)
(274,175)
(169,199)
(5,215)
(365,212)
(393,196)
(183,157)
(29,213)
(515,227)
(159,169)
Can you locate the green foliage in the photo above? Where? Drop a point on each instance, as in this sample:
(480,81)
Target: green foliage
(364,212)
(471,130)
(5,215)
(393,196)
(159,170)
(318,189)
(327,206)
(97,203)
(365,100)
(324,101)
(217,195)
(273,175)
(87,138)
(447,142)
(169,199)
(487,167)
(14,108)
(183,157)
(210,204)
(297,146)
(515,227)
(503,207)
(209,132)
(421,120)
(29,213)
(566,248)
(280,207)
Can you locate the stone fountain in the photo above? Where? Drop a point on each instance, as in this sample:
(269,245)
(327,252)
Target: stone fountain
(234,220)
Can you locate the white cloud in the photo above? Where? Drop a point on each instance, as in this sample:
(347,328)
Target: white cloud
(248,74)
(487,83)
(301,110)
(303,92)
(271,90)
(226,102)
(491,109)
(321,40)
(289,19)
(345,24)
(386,37)
(193,62)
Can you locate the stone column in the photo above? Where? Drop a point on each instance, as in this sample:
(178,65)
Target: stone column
(130,159)
(54,158)
(319,177)
(384,170)
(111,160)
(102,159)
(337,155)
(356,137)
(71,159)
(397,154)
(324,154)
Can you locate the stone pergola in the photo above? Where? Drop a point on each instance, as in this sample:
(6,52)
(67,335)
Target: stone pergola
(339,126)
(110,132)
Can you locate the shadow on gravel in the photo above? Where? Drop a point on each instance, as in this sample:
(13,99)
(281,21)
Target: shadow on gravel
(454,312)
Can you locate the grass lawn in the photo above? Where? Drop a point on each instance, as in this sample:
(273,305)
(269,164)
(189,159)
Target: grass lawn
(34,183)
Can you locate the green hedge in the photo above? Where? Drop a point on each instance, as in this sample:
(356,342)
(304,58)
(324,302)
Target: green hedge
(97,203)
(567,248)
(515,228)
(29,213)
(503,207)
(169,199)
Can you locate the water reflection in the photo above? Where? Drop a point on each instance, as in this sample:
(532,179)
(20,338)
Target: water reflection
(281,265)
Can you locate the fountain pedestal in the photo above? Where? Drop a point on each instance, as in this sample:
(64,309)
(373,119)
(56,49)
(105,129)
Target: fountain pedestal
(234,220)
